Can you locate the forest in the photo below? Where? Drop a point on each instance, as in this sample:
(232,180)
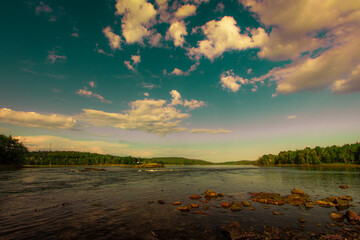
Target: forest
(346,154)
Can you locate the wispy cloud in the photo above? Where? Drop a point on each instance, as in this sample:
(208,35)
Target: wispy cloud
(90,94)
(113,38)
(290,117)
(54,56)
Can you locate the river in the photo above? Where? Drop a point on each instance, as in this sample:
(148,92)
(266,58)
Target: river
(123,203)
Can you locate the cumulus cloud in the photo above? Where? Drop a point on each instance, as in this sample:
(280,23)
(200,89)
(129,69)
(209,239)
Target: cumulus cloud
(321,38)
(148,115)
(210,131)
(232,82)
(113,38)
(176,32)
(192,104)
(90,94)
(185,11)
(224,35)
(33,119)
(138,16)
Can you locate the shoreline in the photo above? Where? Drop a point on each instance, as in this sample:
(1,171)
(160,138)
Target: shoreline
(331,165)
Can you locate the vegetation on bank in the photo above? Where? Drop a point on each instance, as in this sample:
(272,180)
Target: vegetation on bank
(346,154)
(12,152)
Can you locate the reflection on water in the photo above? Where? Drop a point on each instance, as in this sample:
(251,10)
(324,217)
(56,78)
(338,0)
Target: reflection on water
(123,203)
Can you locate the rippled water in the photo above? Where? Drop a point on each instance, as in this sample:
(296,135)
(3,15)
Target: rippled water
(120,203)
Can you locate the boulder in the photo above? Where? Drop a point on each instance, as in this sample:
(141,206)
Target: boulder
(337,216)
(246,204)
(352,216)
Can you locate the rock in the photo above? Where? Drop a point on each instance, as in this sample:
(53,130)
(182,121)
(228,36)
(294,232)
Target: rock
(251,208)
(225,205)
(205,207)
(297,191)
(203,201)
(341,204)
(347,197)
(276,213)
(184,208)
(236,206)
(352,217)
(161,202)
(319,224)
(220,195)
(194,205)
(336,216)
(195,197)
(234,231)
(344,186)
(266,207)
(246,204)
(176,203)
(210,194)
(302,220)
(308,206)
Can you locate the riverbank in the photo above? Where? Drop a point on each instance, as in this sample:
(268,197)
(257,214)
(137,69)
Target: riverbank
(332,165)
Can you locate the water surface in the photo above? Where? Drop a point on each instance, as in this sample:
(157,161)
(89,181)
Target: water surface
(122,203)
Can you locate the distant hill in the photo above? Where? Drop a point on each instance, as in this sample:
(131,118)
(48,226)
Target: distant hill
(176,161)
(242,162)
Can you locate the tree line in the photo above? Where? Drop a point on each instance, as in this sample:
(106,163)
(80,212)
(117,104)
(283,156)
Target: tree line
(346,154)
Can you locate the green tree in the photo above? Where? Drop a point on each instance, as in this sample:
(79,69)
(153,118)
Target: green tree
(12,152)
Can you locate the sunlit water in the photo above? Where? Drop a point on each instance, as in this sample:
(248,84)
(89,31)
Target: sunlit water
(120,203)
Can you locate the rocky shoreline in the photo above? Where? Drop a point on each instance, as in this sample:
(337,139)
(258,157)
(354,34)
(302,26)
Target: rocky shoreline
(343,225)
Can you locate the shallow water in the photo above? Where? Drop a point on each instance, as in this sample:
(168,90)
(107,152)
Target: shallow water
(122,203)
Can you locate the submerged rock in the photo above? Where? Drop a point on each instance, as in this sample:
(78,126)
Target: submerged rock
(236,206)
(194,205)
(176,203)
(246,204)
(210,194)
(302,220)
(344,186)
(276,213)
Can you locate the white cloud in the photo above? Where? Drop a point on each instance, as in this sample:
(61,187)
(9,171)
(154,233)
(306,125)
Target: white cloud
(290,117)
(148,115)
(176,32)
(54,56)
(320,37)
(180,72)
(224,35)
(192,104)
(176,98)
(136,60)
(146,94)
(209,131)
(230,81)
(33,119)
(113,38)
(185,11)
(137,18)
(90,94)
(177,72)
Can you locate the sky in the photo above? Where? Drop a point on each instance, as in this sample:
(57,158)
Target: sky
(203,79)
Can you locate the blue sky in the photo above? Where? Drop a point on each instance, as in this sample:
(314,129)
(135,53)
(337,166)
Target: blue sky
(213,80)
